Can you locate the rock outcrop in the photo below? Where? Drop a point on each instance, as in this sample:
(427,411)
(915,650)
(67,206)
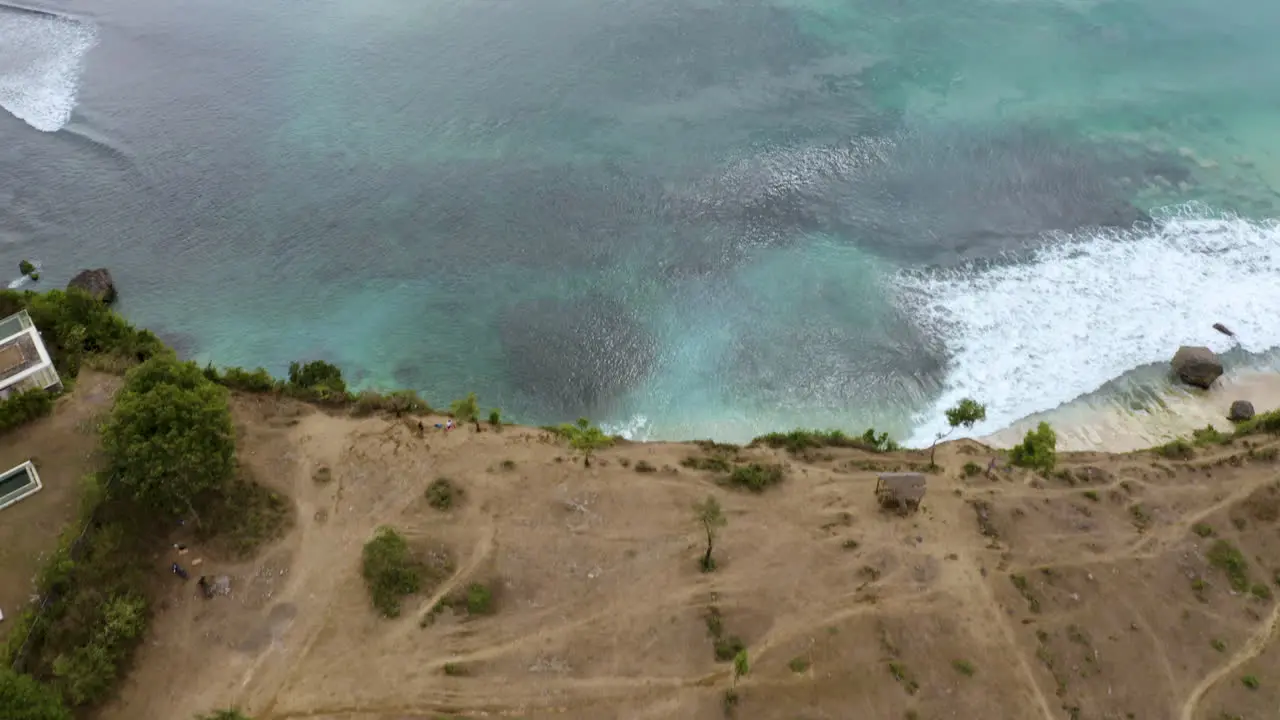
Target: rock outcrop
(97,283)
(1240,411)
(1198,366)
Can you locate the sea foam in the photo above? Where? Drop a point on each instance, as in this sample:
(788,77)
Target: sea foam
(1027,337)
(41,60)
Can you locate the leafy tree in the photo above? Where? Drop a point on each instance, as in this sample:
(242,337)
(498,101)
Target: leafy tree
(712,518)
(88,672)
(22,698)
(1037,450)
(965,414)
(741,665)
(322,378)
(169,438)
(585,438)
(465,410)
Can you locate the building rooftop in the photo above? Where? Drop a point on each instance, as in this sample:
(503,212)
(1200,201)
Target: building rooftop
(23,356)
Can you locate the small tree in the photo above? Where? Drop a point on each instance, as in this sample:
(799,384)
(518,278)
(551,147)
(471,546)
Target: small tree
(495,418)
(169,438)
(965,414)
(585,438)
(741,665)
(466,409)
(22,698)
(1038,449)
(712,518)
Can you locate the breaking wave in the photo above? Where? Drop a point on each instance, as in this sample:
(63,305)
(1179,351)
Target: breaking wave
(1028,337)
(41,60)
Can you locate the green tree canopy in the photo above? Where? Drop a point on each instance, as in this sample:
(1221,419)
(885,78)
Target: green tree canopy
(22,698)
(170,438)
(1037,450)
(585,438)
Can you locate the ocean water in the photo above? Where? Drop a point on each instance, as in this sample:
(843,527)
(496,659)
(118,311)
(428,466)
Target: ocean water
(681,218)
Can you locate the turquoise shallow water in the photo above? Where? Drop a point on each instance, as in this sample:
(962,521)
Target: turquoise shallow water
(682,218)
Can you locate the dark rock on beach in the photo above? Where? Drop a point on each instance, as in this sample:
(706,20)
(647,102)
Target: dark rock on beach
(97,283)
(1240,411)
(1197,366)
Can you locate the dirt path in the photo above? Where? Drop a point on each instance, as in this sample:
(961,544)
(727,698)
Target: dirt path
(1251,649)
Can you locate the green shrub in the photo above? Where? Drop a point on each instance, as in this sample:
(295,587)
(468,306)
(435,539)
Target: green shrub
(317,380)
(1037,450)
(1268,422)
(1176,450)
(1226,557)
(798,441)
(964,667)
(644,466)
(22,698)
(1202,530)
(495,418)
(972,468)
(88,672)
(442,494)
(755,477)
(465,410)
(169,439)
(713,464)
(257,380)
(244,516)
(1250,681)
(74,324)
(390,571)
(1210,435)
(479,599)
(24,407)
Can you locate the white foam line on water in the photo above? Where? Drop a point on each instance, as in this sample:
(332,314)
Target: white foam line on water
(1028,337)
(41,60)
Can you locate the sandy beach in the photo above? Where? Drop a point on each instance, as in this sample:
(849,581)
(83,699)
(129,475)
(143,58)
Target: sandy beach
(1107,425)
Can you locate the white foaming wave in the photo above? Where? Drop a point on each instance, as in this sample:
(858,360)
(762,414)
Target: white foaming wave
(634,428)
(1028,337)
(41,59)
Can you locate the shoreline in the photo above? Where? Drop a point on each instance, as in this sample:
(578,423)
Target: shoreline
(1102,424)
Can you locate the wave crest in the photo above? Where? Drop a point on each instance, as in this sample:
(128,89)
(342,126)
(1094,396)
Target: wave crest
(41,61)
(1030,336)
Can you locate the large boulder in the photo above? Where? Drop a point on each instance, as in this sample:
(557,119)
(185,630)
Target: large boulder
(1240,411)
(1198,366)
(97,283)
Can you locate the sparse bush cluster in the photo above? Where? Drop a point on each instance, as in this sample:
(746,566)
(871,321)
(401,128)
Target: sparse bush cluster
(800,441)
(24,407)
(320,382)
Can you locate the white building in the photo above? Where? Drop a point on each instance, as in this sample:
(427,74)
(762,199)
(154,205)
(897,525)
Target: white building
(24,361)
